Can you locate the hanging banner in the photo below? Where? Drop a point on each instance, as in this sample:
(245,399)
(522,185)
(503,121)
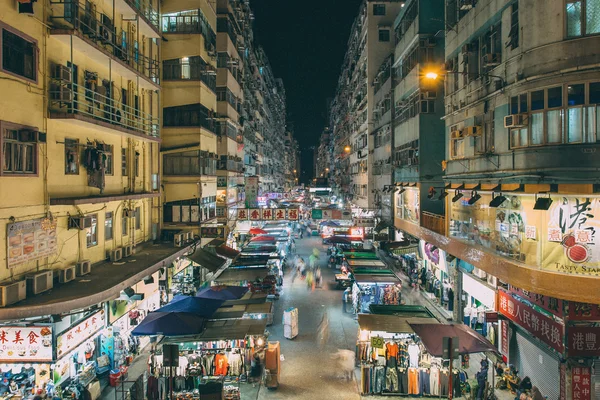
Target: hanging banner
(550,304)
(505,338)
(30,240)
(536,323)
(251,191)
(581,383)
(267,214)
(327,214)
(25,344)
(583,341)
(73,337)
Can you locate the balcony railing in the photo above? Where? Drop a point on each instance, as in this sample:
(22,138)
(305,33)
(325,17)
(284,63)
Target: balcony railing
(230,165)
(192,23)
(146,8)
(100,29)
(193,69)
(96,102)
(433,222)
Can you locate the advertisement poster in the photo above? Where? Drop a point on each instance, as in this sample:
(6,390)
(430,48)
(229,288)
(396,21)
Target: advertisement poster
(73,337)
(25,344)
(434,255)
(252,191)
(581,383)
(408,205)
(222,196)
(538,324)
(30,240)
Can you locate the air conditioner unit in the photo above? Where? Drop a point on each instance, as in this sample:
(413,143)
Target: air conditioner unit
(66,274)
(11,293)
(189,236)
(179,240)
(127,250)
(472,131)
(83,267)
(116,254)
(491,59)
(479,273)
(515,121)
(62,73)
(79,222)
(61,93)
(41,282)
(456,134)
(466,5)
(492,280)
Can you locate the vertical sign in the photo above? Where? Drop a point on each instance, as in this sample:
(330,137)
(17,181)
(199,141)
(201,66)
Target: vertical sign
(581,383)
(252,191)
(563,382)
(505,338)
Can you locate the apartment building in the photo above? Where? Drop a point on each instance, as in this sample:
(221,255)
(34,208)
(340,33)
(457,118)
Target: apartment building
(323,155)
(80,153)
(190,126)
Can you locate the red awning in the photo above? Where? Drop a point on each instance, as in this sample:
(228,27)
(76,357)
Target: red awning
(264,239)
(469,341)
(227,252)
(257,231)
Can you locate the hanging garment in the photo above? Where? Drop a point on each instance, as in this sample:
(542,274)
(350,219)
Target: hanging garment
(444,378)
(235,364)
(413,381)
(434,381)
(403,380)
(379,379)
(413,354)
(152,388)
(221,364)
(391,379)
(391,350)
(208,364)
(456,388)
(424,381)
(403,355)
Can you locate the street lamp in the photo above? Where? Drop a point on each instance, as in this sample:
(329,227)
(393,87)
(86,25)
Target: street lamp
(433,75)
(347,148)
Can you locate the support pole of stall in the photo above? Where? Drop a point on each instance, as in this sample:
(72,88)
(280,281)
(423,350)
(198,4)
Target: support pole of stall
(171,382)
(450,369)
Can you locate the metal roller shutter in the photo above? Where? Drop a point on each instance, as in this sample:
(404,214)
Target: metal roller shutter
(541,365)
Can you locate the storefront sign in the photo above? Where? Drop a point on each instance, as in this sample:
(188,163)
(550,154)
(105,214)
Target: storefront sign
(364,222)
(583,311)
(505,338)
(479,291)
(583,341)
(73,337)
(221,181)
(30,240)
(331,214)
(581,383)
(550,304)
(267,214)
(21,344)
(251,191)
(277,196)
(217,232)
(539,325)
(356,232)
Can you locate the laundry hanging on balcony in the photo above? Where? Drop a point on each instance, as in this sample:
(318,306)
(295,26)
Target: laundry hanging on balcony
(95,161)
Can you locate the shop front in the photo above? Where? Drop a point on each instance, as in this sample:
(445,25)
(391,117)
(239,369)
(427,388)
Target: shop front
(434,276)
(26,354)
(380,286)
(479,312)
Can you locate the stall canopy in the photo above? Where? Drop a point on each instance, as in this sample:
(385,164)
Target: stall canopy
(382,279)
(170,324)
(227,252)
(406,311)
(329,223)
(469,341)
(222,292)
(243,274)
(387,323)
(224,330)
(257,231)
(338,240)
(203,307)
(207,260)
(266,238)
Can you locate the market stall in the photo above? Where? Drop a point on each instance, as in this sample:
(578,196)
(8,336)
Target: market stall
(375,287)
(258,280)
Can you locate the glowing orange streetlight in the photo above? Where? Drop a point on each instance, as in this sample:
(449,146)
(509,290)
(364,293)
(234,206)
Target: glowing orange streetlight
(347,148)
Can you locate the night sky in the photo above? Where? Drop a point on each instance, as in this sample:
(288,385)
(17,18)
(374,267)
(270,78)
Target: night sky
(305,41)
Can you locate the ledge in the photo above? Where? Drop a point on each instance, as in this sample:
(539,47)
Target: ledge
(73,201)
(105,282)
(581,288)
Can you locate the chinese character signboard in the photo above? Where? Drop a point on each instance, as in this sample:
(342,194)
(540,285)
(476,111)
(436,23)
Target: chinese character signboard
(583,341)
(539,325)
(550,304)
(216,232)
(21,344)
(279,214)
(317,213)
(581,383)
(364,222)
(30,240)
(255,214)
(72,338)
(252,191)
(292,214)
(331,214)
(266,214)
(505,338)
(242,213)
(583,311)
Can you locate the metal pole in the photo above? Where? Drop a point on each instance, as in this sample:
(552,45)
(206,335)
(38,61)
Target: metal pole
(170,380)
(450,370)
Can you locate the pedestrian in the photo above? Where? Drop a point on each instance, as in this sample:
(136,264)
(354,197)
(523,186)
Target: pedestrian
(301,233)
(318,276)
(293,247)
(310,280)
(255,369)
(482,377)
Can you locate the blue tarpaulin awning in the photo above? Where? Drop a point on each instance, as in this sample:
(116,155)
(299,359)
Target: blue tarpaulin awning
(170,324)
(200,306)
(222,292)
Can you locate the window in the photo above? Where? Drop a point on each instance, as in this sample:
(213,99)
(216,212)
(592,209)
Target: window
(378,9)
(137,164)
(124,223)
(138,218)
(71,157)
(457,148)
(124,166)
(518,138)
(513,35)
(92,232)
(19,151)
(583,17)
(19,54)
(108,163)
(384,35)
(188,115)
(108,226)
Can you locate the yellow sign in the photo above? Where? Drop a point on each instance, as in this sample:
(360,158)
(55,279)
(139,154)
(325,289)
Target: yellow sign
(377,342)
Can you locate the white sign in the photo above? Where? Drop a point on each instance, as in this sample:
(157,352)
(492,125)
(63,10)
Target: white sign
(364,222)
(72,338)
(530,232)
(30,240)
(480,291)
(20,344)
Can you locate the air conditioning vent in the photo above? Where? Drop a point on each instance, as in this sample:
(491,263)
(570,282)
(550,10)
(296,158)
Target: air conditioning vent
(62,73)
(11,293)
(515,121)
(40,282)
(179,240)
(80,222)
(116,254)
(66,274)
(189,236)
(83,267)
(127,250)
(491,59)
(61,93)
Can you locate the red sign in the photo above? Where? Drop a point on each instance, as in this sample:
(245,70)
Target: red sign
(581,384)
(583,341)
(280,214)
(550,304)
(583,311)
(504,333)
(540,326)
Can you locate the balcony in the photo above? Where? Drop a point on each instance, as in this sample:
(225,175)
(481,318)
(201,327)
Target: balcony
(94,35)
(190,69)
(92,105)
(433,222)
(190,22)
(230,165)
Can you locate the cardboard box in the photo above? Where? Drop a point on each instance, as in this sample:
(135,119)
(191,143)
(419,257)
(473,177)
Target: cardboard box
(272,357)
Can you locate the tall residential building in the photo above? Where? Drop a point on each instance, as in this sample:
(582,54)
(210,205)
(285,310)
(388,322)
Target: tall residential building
(190,128)
(323,155)
(522,104)
(80,125)
(371,41)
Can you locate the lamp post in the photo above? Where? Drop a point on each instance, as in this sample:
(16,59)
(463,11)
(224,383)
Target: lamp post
(434,75)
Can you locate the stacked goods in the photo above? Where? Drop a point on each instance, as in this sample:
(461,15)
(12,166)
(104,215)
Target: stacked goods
(290,323)
(272,365)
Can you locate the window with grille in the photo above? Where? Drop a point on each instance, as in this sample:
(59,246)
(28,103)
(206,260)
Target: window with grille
(108,226)
(138,218)
(19,153)
(583,17)
(378,9)
(124,163)
(92,232)
(19,54)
